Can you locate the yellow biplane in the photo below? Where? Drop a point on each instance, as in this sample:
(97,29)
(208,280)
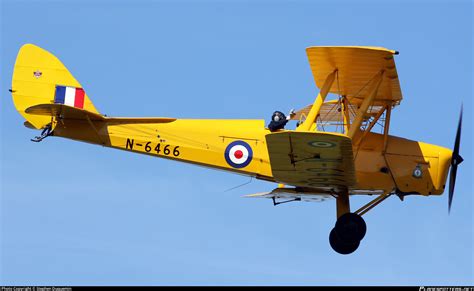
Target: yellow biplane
(334,150)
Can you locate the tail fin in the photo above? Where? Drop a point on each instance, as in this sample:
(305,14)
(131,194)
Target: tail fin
(40,78)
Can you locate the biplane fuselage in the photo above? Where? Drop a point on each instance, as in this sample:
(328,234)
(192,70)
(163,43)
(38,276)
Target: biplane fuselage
(310,159)
(203,142)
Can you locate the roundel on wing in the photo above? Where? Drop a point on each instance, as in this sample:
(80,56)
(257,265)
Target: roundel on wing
(322,144)
(238,154)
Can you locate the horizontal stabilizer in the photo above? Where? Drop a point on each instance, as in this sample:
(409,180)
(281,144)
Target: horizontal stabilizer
(69,112)
(63,111)
(27,124)
(139,119)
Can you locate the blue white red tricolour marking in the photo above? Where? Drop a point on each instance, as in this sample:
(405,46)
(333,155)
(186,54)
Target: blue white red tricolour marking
(71,96)
(238,154)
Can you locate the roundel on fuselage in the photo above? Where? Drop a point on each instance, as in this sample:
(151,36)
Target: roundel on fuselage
(238,154)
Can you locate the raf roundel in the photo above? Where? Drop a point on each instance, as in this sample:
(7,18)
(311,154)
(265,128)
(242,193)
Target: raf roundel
(238,154)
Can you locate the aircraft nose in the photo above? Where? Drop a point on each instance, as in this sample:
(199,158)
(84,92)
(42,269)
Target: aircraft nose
(445,156)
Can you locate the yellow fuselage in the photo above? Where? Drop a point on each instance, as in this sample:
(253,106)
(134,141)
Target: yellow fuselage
(204,142)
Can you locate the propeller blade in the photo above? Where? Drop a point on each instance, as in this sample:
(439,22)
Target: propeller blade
(452,182)
(456,159)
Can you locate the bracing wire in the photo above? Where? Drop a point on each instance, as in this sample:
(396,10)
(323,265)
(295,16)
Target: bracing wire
(238,186)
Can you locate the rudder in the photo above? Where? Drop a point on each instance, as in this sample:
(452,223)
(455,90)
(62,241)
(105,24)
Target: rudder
(40,78)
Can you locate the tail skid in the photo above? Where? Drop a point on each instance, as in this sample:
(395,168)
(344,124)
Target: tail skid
(47,131)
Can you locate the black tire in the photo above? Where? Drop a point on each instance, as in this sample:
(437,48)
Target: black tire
(350,227)
(340,246)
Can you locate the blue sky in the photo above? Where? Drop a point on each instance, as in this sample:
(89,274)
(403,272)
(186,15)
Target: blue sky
(74,213)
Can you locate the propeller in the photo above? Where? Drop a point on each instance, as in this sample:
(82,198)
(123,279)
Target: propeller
(456,159)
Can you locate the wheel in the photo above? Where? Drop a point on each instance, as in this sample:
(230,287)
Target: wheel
(340,246)
(350,227)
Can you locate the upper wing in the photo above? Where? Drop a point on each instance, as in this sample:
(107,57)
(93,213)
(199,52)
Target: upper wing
(356,67)
(313,160)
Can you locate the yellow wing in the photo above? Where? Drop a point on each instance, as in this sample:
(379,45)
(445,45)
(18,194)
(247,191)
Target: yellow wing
(356,67)
(307,159)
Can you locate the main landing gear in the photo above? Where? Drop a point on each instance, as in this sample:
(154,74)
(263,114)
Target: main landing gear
(350,228)
(346,235)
